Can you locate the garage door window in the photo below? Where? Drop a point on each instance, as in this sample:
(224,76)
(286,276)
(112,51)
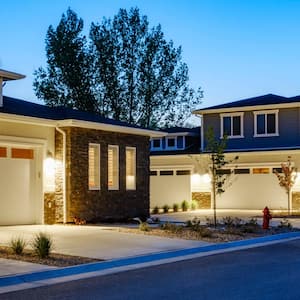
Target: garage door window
(3,152)
(22,153)
(261,170)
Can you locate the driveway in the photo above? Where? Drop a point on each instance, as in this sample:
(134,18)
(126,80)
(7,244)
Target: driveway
(101,242)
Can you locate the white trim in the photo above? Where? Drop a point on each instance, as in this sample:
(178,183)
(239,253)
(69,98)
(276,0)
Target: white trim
(134,175)
(116,186)
(22,141)
(202,133)
(231,115)
(97,187)
(245,108)
(266,112)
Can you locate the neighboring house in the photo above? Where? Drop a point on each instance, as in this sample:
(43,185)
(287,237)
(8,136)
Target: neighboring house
(263,131)
(173,161)
(58,163)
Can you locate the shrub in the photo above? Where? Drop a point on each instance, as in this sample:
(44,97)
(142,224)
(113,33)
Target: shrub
(42,245)
(194,205)
(193,224)
(155,210)
(228,221)
(171,227)
(184,205)
(252,222)
(209,221)
(166,208)
(285,223)
(144,226)
(175,207)
(17,245)
(204,232)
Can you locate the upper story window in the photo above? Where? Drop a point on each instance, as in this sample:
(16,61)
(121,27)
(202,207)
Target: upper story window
(266,123)
(232,125)
(171,142)
(156,144)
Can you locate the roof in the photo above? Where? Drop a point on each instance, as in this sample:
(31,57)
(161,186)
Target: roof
(269,99)
(28,109)
(182,130)
(7,75)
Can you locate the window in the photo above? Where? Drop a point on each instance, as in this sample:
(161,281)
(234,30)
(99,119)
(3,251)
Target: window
(261,171)
(223,171)
(171,143)
(113,167)
(153,173)
(22,153)
(3,152)
(130,168)
(156,144)
(241,171)
(232,125)
(166,173)
(266,123)
(183,172)
(94,166)
(180,142)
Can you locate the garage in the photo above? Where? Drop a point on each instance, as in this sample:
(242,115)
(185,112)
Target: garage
(169,186)
(19,186)
(253,188)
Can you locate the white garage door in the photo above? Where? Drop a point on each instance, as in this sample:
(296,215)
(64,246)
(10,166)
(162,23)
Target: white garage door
(255,190)
(169,187)
(17,186)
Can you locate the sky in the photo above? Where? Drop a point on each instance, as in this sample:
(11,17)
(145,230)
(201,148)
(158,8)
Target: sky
(234,49)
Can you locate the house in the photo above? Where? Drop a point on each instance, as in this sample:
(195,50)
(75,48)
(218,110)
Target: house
(174,159)
(263,131)
(59,163)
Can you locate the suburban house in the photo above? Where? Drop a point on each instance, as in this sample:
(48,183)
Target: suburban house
(57,164)
(263,132)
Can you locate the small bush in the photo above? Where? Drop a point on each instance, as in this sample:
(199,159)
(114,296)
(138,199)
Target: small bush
(171,227)
(17,245)
(155,210)
(184,205)
(144,226)
(166,208)
(42,245)
(210,222)
(193,224)
(252,222)
(285,223)
(175,207)
(205,232)
(194,205)
(228,221)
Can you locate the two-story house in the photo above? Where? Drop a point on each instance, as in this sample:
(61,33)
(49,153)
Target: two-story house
(263,131)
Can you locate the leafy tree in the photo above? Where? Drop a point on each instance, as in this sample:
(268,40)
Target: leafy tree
(128,72)
(218,161)
(67,80)
(287,179)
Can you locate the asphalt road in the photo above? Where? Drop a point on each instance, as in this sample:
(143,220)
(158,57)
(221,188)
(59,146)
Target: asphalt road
(271,272)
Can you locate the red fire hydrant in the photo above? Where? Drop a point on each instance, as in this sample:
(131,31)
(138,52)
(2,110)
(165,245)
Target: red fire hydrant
(267,218)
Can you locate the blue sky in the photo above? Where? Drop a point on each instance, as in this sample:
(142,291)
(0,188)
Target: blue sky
(234,49)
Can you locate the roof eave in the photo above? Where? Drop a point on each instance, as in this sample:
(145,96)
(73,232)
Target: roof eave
(7,75)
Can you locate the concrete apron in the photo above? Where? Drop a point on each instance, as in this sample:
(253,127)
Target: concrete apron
(48,277)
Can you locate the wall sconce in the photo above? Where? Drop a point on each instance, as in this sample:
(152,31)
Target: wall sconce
(49,154)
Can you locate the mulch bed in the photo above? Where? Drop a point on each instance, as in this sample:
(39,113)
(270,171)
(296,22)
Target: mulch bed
(55,259)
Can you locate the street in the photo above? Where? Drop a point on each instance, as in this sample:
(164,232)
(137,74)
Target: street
(270,272)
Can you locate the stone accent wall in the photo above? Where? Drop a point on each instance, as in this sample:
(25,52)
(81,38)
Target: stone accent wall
(203,199)
(295,200)
(101,204)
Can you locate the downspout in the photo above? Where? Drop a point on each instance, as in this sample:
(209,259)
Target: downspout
(64,182)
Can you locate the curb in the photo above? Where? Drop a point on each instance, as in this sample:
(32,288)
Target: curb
(39,278)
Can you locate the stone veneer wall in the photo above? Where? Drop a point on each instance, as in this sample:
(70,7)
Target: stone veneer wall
(101,204)
(203,199)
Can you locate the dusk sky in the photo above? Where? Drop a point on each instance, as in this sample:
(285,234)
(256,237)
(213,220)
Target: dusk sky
(234,49)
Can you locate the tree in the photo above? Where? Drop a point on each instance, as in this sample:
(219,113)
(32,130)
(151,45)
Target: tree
(218,161)
(287,179)
(67,79)
(128,72)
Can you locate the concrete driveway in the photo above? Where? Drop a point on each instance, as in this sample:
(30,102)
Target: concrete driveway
(101,242)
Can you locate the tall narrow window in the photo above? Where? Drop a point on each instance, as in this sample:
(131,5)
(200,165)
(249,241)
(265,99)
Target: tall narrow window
(94,166)
(130,168)
(113,167)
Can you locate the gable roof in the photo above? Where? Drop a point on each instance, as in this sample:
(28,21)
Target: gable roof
(260,101)
(23,108)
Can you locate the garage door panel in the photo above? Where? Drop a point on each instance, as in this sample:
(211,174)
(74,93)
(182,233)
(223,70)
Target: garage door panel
(253,191)
(16,186)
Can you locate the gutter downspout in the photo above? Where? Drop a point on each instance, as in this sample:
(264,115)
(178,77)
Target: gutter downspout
(64,182)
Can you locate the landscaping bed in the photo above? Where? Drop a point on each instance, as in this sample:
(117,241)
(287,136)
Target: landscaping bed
(228,229)
(54,259)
